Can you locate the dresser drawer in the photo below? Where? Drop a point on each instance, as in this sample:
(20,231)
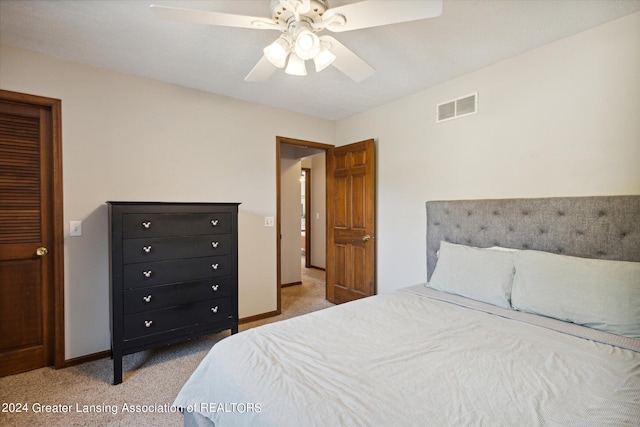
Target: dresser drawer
(181,270)
(175,224)
(156,297)
(165,248)
(157,321)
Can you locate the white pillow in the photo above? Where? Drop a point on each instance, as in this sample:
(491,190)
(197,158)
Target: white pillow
(482,274)
(596,293)
(493,248)
(501,248)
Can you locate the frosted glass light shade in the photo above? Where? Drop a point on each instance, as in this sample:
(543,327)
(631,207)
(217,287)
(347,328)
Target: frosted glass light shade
(277,52)
(307,44)
(323,59)
(296,67)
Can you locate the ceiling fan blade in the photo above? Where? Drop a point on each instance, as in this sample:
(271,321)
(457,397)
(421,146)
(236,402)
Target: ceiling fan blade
(374,13)
(261,72)
(213,18)
(347,61)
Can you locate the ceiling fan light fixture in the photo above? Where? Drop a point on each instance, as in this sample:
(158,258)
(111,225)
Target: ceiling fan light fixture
(277,52)
(296,66)
(323,59)
(299,22)
(307,44)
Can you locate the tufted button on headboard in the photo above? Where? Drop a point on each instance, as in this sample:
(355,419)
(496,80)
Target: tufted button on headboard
(605,227)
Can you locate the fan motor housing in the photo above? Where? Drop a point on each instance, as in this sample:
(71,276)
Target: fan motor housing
(282,11)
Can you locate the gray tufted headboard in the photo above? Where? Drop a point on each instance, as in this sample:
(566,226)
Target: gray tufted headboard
(606,227)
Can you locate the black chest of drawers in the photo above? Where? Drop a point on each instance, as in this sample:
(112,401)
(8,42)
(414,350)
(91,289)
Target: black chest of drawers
(174,273)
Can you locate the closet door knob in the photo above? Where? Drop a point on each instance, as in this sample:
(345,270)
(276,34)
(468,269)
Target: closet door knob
(42,251)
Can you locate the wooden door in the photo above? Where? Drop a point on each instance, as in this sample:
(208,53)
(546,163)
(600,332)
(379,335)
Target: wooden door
(30,234)
(351,221)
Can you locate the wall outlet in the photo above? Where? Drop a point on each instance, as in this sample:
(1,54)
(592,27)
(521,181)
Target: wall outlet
(268,221)
(75,228)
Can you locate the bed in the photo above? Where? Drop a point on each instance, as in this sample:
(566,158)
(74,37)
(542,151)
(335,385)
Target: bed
(531,317)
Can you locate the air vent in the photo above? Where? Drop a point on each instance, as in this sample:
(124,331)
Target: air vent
(460,107)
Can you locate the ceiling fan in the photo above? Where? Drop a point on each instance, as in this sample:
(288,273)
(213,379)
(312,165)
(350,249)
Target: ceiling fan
(300,21)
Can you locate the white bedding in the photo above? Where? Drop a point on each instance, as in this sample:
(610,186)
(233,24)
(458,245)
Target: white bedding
(407,359)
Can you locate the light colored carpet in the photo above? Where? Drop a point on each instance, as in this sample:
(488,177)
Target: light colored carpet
(152,379)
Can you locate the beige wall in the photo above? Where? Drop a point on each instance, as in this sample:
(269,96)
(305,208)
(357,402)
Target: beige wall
(561,120)
(290,193)
(318,210)
(129,138)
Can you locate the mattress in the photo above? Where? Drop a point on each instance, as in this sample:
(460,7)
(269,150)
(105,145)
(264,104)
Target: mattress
(416,357)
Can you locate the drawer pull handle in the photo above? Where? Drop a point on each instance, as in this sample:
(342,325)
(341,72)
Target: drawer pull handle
(148,323)
(215,288)
(146,224)
(214,222)
(146,249)
(214,266)
(147,298)
(147,273)
(214,309)
(215,244)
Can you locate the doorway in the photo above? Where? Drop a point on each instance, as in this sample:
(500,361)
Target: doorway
(350,221)
(295,214)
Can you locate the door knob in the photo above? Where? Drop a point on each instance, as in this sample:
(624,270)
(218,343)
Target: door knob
(366,238)
(42,251)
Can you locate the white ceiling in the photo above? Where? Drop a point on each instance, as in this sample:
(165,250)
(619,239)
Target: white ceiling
(125,36)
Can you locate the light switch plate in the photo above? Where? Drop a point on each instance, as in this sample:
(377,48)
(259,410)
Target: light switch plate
(75,228)
(268,221)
